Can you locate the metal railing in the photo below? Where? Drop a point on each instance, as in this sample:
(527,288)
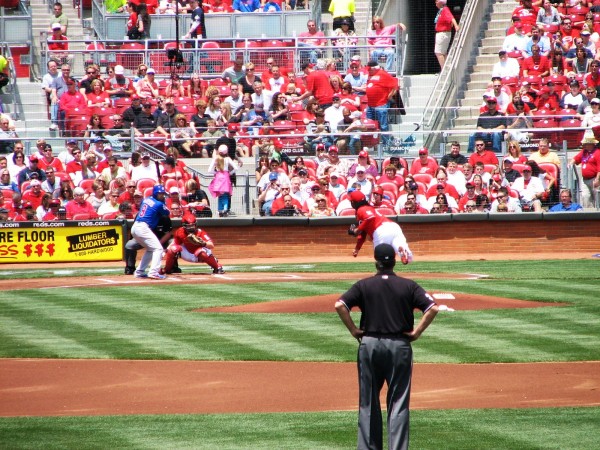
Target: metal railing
(437,113)
(218,26)
(11,89)
(210,58)
(15,25)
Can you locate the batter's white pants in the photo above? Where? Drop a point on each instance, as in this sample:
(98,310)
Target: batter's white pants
(144,236)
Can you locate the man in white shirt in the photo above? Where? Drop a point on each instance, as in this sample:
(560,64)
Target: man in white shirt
(334,114)
(530,190)
(516,42)
(144,170)
(261,96)
(505,67)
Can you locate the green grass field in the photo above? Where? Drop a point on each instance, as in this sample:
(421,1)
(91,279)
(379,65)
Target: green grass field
(154,321)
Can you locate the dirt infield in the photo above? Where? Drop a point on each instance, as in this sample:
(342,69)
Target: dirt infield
(35,387)
(38,387)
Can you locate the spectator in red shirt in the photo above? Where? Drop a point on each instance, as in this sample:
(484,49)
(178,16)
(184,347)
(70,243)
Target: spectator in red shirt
(58,43)
(444,22)
(589,159)
(481,154)
(381,89)
(47,160)
(536,64)
(71,100)
(424,164)
(34,194)
(80,206)
(317,85)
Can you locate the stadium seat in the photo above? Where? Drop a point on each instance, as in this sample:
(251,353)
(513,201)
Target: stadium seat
(213,59)
(572,136)
(386,211)
(144,183)
(423,178)
(347,212)
(87,185)
(130,56)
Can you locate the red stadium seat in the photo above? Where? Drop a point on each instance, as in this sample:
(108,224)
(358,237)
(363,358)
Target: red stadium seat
(310,163)
(130,56)
(144,183)
(386,211)
(148,192)
(213,58)
(87,185)
(519,167)
(371,137)
(347,212)
(546,123)
(423,178)
(572,136)
(389,186)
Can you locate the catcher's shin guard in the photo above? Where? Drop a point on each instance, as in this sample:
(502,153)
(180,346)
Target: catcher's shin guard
(206,258)
(171,258)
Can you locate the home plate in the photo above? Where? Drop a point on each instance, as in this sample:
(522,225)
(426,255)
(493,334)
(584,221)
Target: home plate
(443,296)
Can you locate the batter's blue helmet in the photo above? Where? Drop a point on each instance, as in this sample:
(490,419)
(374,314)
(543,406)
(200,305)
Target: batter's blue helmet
(158,189)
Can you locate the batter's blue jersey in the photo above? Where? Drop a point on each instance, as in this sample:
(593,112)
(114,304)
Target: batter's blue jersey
(151,210)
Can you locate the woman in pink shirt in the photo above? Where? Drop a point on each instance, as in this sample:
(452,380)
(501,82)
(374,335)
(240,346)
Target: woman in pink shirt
(382,38)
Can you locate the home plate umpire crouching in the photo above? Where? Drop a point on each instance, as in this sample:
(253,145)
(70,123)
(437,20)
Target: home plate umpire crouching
(386,330)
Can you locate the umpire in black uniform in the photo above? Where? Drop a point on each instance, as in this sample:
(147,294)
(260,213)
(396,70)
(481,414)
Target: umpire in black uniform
(386,330)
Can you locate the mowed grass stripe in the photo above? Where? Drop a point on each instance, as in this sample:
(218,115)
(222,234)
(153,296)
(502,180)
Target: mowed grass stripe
(23,337)
(100,332)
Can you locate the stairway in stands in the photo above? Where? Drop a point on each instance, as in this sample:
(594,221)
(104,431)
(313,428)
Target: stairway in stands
(34,122)
(481,74)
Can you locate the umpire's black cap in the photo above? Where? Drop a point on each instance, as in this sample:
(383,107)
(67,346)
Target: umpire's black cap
(385,253)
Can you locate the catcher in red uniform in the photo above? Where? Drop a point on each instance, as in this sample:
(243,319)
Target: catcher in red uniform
(379,228)
(192,244)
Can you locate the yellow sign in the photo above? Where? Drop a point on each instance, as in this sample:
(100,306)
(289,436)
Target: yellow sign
(69,241)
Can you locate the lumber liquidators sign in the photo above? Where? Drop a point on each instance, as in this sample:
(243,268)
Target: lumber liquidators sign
(69,241)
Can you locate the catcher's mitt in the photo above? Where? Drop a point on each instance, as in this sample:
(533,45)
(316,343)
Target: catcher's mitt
(197,240)
(352,230)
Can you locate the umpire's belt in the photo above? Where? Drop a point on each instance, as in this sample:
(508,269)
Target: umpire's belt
(385,335)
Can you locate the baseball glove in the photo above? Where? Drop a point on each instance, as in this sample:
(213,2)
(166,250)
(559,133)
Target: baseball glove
(197,240)
(352,230)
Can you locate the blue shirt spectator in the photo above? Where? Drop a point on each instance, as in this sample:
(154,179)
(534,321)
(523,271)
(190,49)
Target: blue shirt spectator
(246,5)
(566,204)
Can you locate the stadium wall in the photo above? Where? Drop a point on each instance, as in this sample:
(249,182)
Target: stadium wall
(508,234)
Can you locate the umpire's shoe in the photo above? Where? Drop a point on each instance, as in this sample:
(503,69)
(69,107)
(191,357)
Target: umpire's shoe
(129,270)
(218,270)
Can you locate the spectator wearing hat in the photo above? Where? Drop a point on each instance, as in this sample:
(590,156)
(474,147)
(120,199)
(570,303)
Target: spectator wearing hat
(48,160)
(424,163)
(131,113)
(342,10)
(80,206)
(345,42)
(34,194)
(59,18)
(381,90)
(144,122)
(174,197)
(510,174)
(545,101)
(589,160)
(31,172)
(66,156)
(119,86)
(365,161)
(588,43)
(313,38)
(25,213)
(381,39)
(516,44)
(51,213)
(106,153)
(147,169)
(410,188)
(366,185)
(574,97)
(147,87)
(235,149)
(339,165)
(531,190)
(379,199)
(356,78)
(591,118)
(351,126)
(491,123)
(497,91)
(334,114)
(58,44)
(506,67)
